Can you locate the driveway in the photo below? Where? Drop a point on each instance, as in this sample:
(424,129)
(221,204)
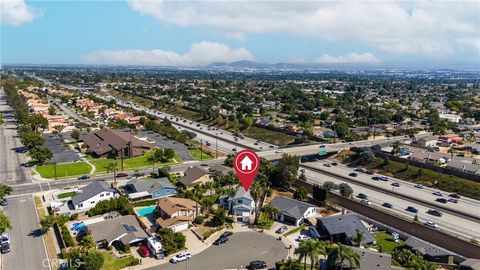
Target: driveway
(240,249)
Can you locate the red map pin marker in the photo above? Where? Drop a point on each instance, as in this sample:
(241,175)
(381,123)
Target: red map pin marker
(246,164)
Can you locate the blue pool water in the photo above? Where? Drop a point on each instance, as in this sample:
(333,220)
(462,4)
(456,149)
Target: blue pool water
(78,226)
(146,211)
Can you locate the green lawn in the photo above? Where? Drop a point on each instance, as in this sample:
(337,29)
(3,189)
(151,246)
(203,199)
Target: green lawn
(292,231)
(113,263)
(129,163)
(385,240)
(198,155)
(67,194)
(268,136)
(428,178)
(64,169)
(264,222)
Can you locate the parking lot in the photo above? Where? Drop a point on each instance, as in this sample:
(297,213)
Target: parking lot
(164,142)
(241,248)
(61,152)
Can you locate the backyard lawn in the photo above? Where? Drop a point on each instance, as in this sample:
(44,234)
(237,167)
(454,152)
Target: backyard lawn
(386,241)
(67,195)
(129,163)
(198,155)
(264,221)
(114,263)
(64,169)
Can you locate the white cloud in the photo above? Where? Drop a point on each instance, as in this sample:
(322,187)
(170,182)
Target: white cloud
(365,58)
(201,53)
(16,12)
(431,28)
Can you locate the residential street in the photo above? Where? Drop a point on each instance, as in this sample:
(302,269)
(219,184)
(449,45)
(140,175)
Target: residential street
(27,251)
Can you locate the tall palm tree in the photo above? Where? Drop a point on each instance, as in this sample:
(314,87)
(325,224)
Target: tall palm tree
(258,192)
(152,159)
(112,167)
(303,250)
(270,210)
(87,244)
(317,248)
(358,238)
(343,253)
(197,194)
(291,265)
(426,265)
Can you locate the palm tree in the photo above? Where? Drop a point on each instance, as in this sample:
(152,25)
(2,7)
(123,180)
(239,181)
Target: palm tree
(426,265)
(358,238)
(343,253)
(452,151)
(197,194)
(152,159)
(87,244)
(396,147)
(312,248)
(270,210)
(303,250)
(112,167)
(291,265)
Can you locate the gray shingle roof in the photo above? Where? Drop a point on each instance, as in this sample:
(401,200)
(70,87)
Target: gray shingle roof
(373,260)
(426,248)
(91,190)
(149,185)
(346,224)
(192,174)
(111,229)
(241,193)
(291,207)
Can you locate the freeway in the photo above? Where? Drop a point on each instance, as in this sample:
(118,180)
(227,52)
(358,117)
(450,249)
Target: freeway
(452,224)
(466,206)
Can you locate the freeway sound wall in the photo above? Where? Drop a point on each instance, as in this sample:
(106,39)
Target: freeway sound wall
(435,237)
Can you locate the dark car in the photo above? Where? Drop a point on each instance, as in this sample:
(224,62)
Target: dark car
(454,195)
(376,178)
(84,177)
(353,174)
(387,205)
(412,209)
(396,184)
(334,163)
(362,196)
(122,174)
(441,200)
(257,265)
(226,234)
(6,248)
(434,212)
(3,202)
(221,240)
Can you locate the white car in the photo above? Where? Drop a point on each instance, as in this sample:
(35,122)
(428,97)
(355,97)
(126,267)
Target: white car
(431,224)
(279,151)
(366,202)
(5,238)
(302,238)
(182,256)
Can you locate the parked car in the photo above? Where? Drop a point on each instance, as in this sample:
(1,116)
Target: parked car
(302,238)
(182,256)
(282,229)
(441,200)
(419,186)
(431,224)
(3,202)
(412,209)
(226,234)
(387,205)
(5,238)
(220,240)
(334,163)
(438,193)
(257,265)
(434,212)
(144,251)
(122,174)
(396,184)
(84,177)
(353,174)
(327,165)
(454,195)
(322,146)
(5,248)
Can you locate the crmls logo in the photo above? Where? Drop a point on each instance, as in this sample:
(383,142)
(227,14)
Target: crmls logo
(61,264)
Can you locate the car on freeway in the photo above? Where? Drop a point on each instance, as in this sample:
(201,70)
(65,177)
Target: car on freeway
(279,151)
(257,264)
(359,169)
(434,212)
(441,200)
(452,200)
(322,146)
(454,195)
(302,238)
(438,193)
(376,178)
(3,202)
(412,209)
(144,251)
(122,174)
(334,163)
(383,178)
(431,224)
(353,174)
(396,184)
(220,240)
(366,202)
(5,248)
(83,177)
(387,205)
(362,196)
(255,143)
(419,186)
(182,256)
(327,165)
(282,229)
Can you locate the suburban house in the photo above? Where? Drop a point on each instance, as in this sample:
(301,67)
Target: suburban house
(124,229)
(428,141)
(115,143)
(176,213)
(241,205)
(223,170)
(470,166)
(293,211)
(370,259)
(91,194)
(422,155)
(431,252)
(149,188)
(469,264)
(474,148)
(342,228)
(195,176)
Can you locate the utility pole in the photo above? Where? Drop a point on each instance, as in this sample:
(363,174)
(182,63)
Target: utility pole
(201,150)
(216,145)
(121,157)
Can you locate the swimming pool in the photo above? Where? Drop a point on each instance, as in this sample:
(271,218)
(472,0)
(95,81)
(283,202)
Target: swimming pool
(78,226)
(146,210)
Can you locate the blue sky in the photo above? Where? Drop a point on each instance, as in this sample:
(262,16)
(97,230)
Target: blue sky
(201,32)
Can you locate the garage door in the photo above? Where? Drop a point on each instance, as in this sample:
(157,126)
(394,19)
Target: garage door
(180,227)
(288,219)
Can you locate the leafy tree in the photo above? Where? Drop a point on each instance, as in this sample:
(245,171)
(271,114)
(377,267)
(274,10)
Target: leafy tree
(88,244)
(291,265)
(329,186)
(300,194)
(358,238)
(38,121)
(284,172)
(320,194)
(30,139)
(93,261)
(172,242)
(219,217)
(75,134)
(345,190)
(169,153)
(270,210)
(52,110)
(40,154)
(248,120)
(47,222)
(4,223)
(5,190)
(112,168)
(1,119)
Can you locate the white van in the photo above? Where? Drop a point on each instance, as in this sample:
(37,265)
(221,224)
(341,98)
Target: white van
(155,247)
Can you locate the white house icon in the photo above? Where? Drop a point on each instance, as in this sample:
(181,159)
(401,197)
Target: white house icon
(246,164)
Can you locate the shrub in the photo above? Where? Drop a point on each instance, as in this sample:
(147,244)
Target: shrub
(199,220)
(74,216)
(67,238)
